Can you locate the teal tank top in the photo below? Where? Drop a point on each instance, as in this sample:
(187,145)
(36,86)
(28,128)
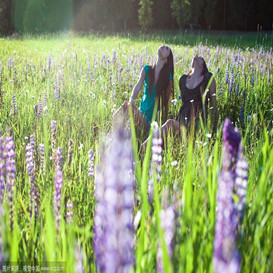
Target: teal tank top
(148,102)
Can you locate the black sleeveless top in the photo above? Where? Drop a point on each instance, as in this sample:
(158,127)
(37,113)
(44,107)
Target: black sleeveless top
(192,100)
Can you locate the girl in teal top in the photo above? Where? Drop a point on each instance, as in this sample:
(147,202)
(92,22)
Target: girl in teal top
(158,84)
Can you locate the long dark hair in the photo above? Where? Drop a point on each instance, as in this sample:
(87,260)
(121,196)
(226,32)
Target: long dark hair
(163,79)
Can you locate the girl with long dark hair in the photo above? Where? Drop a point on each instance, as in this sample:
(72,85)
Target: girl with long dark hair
(158,85)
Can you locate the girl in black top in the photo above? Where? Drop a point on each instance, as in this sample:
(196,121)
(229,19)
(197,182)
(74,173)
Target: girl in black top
(192,88)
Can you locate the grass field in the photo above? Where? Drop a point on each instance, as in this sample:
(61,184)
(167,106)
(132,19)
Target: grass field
(79,81)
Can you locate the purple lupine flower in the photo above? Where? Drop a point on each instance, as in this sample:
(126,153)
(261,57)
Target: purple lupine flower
(53,141)
(114,57)
(57,196)
(70,152)
(231,82)
(10,174)
(30,171)
(226,76)
(252,80)
(155,168)
(48,62)
(1,94)
(113,225)
(53,133)
(91,163)
(2,256)
(269,75)
(226,256)
(42,157)
(78,260)
(40,107)
(69,212)
(88,67)
(45,101)
(237,90)
(10,162)
(10,62)
(167,221)
(14,106)
(232,180)
(36,111)
(60,158)
(2,168)
(232,139)
(241,177)
(221,89)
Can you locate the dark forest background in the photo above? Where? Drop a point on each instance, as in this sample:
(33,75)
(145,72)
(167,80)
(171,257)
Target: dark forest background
(44,16)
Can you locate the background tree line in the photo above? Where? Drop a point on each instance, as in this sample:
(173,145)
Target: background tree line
(122,15)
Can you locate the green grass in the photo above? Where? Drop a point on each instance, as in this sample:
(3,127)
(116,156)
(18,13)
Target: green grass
(83,112)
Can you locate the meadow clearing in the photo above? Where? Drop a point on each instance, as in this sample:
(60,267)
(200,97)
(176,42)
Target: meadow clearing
(57,96)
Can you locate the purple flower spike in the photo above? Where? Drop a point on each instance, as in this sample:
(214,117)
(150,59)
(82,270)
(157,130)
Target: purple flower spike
(53,133)
(167,220)
(48,62)
(2,257)
(10,174)
(113,226)
(231,82)
(45,101)
(57,196)
(231,181)
(14,105)
(226,256)
(91,164)
(36,111)
(252,80)
(10,162)
(60,158)
(40,114)
(2,169)
(30,171)
(155,168)
(226,76)
(232,139)
(69,212)
(237,90)
(241,177)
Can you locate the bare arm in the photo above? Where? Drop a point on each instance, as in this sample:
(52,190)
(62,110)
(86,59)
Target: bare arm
(138,86)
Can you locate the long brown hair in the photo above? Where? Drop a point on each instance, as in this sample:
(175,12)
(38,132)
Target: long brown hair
(163,79)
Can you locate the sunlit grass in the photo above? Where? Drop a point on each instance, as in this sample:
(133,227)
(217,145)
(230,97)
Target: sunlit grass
(92,75)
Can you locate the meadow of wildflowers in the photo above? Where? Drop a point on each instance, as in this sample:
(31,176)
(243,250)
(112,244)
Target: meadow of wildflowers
(71,195)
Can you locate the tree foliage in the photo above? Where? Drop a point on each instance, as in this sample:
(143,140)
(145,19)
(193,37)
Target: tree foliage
(181,10)
(145,13)
(5,24)
(209,12)
(120,15)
